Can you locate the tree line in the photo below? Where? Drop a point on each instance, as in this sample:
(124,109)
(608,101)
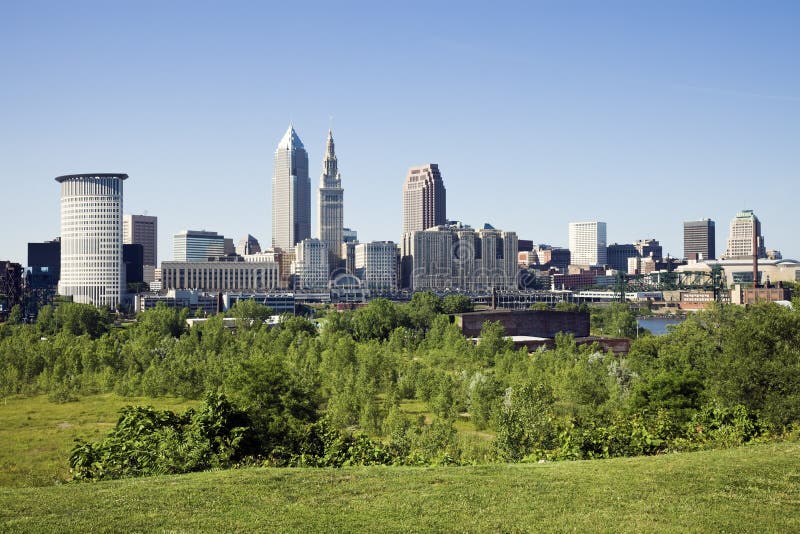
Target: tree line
(399,384)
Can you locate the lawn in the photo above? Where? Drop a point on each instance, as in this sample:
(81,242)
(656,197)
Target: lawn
(36,435)
(754,488)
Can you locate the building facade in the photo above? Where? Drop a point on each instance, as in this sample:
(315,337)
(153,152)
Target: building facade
(740,240)
(424,199)
(376,265)
(142,230)
(699,240)
(587,243)
(133,263)
(91,238)
(649,248)
(349,235)
(459,258)
(221,274)
(197,245)
(331,203)
(44,265)
(247,246)
(617,256)
(310,265)
(10,286)
(291,193)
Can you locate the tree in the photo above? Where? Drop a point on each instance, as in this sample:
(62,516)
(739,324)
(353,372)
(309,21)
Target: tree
(456,303)
(15,316)
(423,308)
(493,341)
(376,320)
(249,311)
(526,422)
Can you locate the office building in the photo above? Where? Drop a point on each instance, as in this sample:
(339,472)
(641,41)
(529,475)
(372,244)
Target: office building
(587,243)
(424,199)
(44,265)
(551,257)
(310,265)
(194,301)
(231,273)
(699,240)
(349,235)
(197,245)
(143,230)
(740,241)
(331,203)
(459,258)
(376,265)
(617,256)
(133,263)
(10,286)
(91,238)
(228,248)
(427,259)
(291,193)
(348,249)
(649,248)
(248,245)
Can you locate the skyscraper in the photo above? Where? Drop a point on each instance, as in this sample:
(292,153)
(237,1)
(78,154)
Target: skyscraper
(291,193)
(699,239)
(740,241)
(331,202)
(197,245)
(142,230)
(424,199)
(91,238)
(587,243)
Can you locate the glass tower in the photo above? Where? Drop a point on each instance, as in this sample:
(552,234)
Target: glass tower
(291,193)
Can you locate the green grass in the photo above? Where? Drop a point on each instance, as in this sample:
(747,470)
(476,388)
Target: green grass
(755,489)
(36,435)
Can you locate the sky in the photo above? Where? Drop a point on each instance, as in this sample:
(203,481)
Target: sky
(641,114)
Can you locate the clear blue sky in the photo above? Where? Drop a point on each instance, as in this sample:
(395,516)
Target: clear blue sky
(640,114)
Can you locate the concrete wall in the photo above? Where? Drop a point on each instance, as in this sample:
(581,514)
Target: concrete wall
(539,323)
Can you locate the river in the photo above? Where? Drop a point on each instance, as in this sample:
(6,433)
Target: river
(658,325)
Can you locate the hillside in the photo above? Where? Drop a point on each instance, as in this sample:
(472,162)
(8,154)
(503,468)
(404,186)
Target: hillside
(754,488)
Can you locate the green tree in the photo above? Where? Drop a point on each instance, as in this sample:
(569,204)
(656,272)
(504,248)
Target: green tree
(15,316)
(456,303)
(247,311)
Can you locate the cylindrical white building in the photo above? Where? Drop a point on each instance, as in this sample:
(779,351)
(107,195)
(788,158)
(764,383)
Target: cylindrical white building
(91,238)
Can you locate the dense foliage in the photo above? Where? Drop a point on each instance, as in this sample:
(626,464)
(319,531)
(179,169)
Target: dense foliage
(400,384)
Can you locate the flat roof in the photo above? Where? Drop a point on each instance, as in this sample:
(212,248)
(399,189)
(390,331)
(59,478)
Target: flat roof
(61,179)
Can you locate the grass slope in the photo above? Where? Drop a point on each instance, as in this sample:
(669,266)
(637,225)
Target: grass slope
(754,488)
(36,435)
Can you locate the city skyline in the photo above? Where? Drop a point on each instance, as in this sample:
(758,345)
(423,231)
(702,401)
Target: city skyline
(679,129)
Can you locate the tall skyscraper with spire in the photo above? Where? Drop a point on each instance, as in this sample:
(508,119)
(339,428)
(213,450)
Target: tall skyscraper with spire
(291,193)
(331,203)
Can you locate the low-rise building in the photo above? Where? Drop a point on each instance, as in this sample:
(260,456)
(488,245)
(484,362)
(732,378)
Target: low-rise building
(222,274)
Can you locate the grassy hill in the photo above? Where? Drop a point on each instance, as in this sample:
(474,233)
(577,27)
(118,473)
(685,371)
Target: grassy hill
(36,436)
(755,488)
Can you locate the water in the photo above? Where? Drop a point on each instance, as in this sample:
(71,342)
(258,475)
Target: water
(658,325)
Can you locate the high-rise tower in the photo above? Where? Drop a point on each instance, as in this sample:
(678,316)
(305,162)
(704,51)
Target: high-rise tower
(91,238)
(587,243)
(424,200)
(740,241)
(699,240)
(331,202)
(291,193)
(142,230)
